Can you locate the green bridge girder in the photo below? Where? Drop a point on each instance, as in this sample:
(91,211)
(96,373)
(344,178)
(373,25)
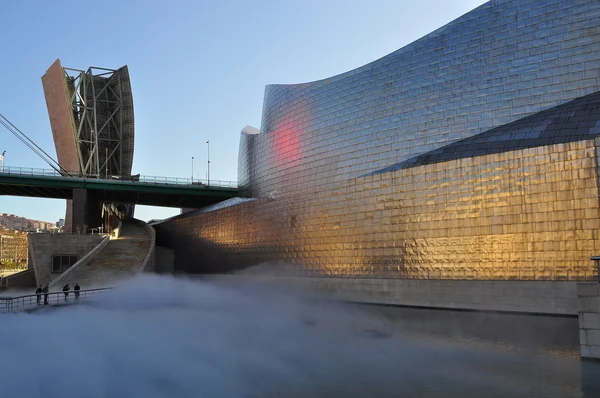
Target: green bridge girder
(134,192)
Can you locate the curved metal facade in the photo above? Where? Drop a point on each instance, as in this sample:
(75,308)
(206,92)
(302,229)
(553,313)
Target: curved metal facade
(496,64)
(246,161)
(342,190)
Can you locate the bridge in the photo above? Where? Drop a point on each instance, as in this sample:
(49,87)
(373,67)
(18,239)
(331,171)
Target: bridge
(145,190)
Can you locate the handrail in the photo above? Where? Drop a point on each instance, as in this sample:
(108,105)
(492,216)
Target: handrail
(200,183)
(29,301)
(57,232)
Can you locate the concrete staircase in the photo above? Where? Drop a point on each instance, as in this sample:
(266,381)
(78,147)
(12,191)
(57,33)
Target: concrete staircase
(120,259)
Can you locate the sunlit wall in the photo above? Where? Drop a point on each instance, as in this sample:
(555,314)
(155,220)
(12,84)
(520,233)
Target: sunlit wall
(456,157)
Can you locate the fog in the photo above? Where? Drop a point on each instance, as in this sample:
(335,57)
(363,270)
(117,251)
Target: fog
(172,337)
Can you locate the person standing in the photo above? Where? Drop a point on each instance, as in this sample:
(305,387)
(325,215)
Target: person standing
(46,290)
(38,293)
(66,289)
(76,289)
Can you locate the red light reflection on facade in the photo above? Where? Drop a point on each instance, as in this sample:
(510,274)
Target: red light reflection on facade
(287,146)
(287,140)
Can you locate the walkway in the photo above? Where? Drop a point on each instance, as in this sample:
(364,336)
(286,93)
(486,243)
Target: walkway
(30,302)
(120,259)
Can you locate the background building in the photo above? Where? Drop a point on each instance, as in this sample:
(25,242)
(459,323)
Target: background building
(13,252)
(13,222)
(468,154)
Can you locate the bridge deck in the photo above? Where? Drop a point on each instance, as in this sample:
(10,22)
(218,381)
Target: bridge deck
(153,191)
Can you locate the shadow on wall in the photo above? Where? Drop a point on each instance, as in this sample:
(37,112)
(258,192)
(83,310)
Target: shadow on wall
(273,269)
(20,280)
(200,256)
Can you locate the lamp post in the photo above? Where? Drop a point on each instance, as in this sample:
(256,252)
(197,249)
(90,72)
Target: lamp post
(2,162)
(192,169)
(208,167)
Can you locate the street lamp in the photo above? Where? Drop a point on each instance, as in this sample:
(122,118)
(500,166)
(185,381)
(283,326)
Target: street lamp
(192,169)
(208,169)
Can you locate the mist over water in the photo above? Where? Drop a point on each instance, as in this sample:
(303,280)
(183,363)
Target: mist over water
(172,337)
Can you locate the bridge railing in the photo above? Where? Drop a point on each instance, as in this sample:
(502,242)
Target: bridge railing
(30,301)
(188,181)
(201,183)
(30,171)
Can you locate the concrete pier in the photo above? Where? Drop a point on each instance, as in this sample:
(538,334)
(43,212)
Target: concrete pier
(588,295)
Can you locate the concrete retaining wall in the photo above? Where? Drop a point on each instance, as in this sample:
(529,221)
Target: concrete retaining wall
(43,246)
(148,262)
(23,279)
(589,319)
(539,297)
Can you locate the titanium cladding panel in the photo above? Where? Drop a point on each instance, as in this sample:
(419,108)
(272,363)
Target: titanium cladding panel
(496,64)
(522,213)
(528,214)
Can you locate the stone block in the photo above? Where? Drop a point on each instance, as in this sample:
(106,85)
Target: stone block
(594,352)
(488,291)
(545,291)
(593,337)
(582,337)
(542,302)
(566,292)
(589,304)
(521,296)
(587,289)
(586,351)
(590,320)
(565,304)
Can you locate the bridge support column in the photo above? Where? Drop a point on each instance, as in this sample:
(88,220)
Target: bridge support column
(86,210)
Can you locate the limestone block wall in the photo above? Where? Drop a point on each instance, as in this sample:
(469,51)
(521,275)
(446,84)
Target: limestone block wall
(81,262)
(23,279)
(589,319)
(43,246)
(533,297)
(148,265)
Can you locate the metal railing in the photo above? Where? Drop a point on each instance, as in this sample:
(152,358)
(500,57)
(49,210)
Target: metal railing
(90,231)
(201,183)
(30,301)
(30,171)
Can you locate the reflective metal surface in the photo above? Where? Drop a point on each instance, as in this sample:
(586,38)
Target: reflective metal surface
(500,201)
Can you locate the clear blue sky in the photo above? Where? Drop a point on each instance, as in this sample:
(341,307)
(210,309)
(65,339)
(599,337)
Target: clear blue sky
(198,69)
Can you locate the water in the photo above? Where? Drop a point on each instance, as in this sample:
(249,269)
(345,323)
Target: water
(167,337)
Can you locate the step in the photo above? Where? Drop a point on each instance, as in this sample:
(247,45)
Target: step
(119,259)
